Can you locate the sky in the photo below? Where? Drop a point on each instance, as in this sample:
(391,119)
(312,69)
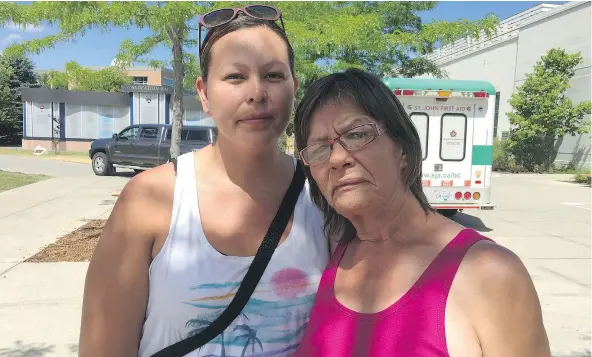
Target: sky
(99,49)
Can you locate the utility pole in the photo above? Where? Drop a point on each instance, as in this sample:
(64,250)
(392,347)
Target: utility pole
(55,131)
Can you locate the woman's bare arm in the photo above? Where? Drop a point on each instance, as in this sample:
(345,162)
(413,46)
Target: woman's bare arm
(505,308)
(116,289)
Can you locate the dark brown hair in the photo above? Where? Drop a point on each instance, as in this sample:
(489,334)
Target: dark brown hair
(241,22)
(378,101)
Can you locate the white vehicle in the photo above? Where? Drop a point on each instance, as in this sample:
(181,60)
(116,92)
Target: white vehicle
(454,119)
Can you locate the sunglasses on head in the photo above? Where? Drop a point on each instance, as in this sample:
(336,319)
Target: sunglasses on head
(223,16)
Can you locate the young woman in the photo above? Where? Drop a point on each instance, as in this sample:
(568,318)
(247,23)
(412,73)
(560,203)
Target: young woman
(404,280)
(177,246)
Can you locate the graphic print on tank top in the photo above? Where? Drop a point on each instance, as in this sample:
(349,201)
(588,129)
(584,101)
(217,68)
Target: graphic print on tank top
(191,283)
(272,322)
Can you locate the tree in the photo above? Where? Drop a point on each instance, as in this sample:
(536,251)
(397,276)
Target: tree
(327,36)
(8,119)
(17,72)
(380,37)
(414,67)
(76,77)
(168,23)
(542,113)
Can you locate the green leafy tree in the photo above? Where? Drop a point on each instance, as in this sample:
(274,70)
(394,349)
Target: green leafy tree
(385,38)
(8,119)
(542,113)
(17,72)
(76,77)
(414,67)
(327,36)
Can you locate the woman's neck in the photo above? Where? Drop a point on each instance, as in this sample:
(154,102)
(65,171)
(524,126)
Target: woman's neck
(402,216)
(249,168)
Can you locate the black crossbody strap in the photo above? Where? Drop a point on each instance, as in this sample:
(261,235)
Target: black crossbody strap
(252,277)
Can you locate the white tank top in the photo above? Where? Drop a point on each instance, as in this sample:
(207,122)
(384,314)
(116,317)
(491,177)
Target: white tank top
(191,283)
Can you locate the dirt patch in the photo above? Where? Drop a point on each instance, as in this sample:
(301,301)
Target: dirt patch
(76,246)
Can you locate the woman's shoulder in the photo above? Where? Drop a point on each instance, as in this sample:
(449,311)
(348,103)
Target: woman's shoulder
(494,279)
(148,194)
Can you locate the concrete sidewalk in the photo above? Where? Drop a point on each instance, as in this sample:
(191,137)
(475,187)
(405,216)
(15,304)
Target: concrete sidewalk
(41,303)
(40,309)
(33,216)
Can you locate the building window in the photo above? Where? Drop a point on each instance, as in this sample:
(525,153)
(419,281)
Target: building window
(167,82)
(496,114)
(140,80)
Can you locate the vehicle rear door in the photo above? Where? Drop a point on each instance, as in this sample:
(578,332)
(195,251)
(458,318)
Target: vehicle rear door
(445,128)
(146,148)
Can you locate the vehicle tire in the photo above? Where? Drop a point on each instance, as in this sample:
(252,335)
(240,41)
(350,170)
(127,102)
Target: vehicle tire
(137,171)
(448,212)
(101,165)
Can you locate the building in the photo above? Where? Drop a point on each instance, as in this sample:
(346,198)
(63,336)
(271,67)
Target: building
(141,74)
(506,58)
(77,118)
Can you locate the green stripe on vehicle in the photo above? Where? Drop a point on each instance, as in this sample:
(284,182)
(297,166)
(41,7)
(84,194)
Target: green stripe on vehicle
(443,84)
(482,154)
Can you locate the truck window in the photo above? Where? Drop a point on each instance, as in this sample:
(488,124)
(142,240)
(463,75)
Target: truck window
(149,133)
(198,135)
(421,122)
(453,137)
(170,133)
(129,134)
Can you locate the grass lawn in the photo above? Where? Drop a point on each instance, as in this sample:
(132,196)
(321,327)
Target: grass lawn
(10,180)
(70,156)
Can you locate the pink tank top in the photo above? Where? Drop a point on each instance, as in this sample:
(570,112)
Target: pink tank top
(412,326)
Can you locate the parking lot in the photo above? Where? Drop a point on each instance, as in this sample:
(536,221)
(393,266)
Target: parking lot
(545,219)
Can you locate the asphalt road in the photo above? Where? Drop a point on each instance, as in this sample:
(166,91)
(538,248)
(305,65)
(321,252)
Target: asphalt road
(32,165)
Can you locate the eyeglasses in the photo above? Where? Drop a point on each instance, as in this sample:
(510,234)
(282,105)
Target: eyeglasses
(223,16)
(353,139)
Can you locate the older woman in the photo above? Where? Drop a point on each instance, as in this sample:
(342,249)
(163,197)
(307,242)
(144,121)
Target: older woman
(403,280)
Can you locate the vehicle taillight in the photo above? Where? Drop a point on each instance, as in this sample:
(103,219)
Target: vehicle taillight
(467,195)
(481,94)
(408,92)
(476,195)
(458,195)
(397,92)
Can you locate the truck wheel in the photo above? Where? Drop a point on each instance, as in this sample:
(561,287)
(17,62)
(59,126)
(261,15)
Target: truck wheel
(101,165)
(448,212)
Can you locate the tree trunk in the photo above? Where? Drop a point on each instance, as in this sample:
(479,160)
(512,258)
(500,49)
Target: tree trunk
(179,74)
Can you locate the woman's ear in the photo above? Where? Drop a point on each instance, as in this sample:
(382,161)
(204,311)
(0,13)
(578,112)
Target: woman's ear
(202,91)
(403,159)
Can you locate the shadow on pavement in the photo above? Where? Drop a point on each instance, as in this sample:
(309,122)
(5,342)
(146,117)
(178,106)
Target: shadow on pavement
(20,349)
(471,222)
(582,184)
(585,353)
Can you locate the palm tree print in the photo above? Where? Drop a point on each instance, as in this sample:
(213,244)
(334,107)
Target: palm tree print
(199,325)
(250,337)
